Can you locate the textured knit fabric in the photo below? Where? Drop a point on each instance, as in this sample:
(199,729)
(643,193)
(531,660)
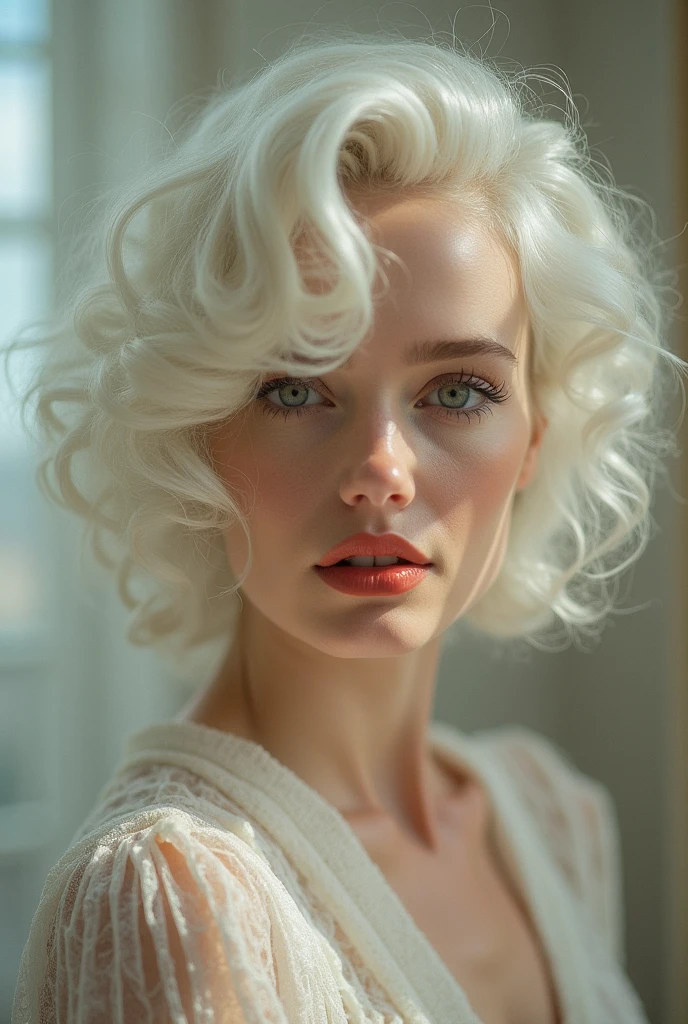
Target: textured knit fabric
(210,883)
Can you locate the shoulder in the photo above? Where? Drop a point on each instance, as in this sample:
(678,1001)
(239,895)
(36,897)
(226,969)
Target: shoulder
(576,818)
(137,789)
(185,911)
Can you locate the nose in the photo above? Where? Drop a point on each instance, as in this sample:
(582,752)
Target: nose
(384,473)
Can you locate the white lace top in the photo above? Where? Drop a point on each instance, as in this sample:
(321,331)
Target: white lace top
(211,884)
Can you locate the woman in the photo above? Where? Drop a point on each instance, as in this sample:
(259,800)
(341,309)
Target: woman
(302,843)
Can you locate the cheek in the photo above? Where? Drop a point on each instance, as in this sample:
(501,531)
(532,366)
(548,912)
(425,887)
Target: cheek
(482,476)
(287,482)
(477,500)
(272,486)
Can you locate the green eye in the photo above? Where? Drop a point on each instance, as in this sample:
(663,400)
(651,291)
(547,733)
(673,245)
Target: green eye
(458,384)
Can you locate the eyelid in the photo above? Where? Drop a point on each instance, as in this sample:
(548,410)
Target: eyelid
(465,376)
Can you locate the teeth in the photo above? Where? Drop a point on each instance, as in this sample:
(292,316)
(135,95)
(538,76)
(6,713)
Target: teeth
(371,560)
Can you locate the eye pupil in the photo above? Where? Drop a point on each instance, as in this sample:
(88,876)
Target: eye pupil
(456,391)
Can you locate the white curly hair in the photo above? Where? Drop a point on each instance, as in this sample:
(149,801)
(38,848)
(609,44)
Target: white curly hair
(190,288)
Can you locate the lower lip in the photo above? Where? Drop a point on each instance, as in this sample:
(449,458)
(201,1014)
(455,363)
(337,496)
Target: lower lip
(376,581)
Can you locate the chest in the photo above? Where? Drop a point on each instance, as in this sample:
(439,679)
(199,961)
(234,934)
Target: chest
(463,900)
(484,936)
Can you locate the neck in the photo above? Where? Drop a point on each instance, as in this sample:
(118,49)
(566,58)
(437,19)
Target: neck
(355,730)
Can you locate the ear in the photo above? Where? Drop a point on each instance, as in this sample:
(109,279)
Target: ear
(530,462)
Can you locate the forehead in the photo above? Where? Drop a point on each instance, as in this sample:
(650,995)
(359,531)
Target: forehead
(448,274)
(434,233)
(437,248)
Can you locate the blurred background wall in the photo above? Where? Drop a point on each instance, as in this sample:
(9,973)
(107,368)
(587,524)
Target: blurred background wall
(83,84)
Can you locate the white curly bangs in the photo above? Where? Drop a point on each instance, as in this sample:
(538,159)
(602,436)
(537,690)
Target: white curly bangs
(193,288)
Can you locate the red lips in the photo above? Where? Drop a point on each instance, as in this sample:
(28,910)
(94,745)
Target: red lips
(372,544)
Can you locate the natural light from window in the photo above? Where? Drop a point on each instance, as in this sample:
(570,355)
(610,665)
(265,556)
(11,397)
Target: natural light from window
(26,268)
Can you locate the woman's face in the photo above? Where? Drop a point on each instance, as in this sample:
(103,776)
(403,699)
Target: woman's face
(378,444)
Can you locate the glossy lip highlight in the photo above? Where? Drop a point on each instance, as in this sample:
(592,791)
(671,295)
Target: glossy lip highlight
(375,544)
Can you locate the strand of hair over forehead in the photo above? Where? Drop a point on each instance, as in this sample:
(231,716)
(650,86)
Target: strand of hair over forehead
(195,278)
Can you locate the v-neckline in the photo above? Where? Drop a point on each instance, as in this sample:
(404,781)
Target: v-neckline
(377,920)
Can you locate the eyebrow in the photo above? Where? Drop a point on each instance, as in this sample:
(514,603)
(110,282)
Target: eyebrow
(436,351)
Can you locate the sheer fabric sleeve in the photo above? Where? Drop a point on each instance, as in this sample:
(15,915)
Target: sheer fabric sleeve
(177,923)
(578,821)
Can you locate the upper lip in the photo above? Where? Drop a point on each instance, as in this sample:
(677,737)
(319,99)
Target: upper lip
(372,544)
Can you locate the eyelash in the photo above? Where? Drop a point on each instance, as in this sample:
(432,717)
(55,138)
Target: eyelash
(495,394)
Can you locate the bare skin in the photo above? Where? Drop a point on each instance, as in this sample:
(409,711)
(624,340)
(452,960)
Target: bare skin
(340,689)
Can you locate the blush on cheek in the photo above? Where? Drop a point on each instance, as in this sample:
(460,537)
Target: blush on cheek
(495,506)
(487,476)
(482,533)
(504,460)
(498,485)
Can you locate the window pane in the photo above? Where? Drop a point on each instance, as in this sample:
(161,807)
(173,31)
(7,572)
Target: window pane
(24,21)
(23,583)
(25,137)
(25,293)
